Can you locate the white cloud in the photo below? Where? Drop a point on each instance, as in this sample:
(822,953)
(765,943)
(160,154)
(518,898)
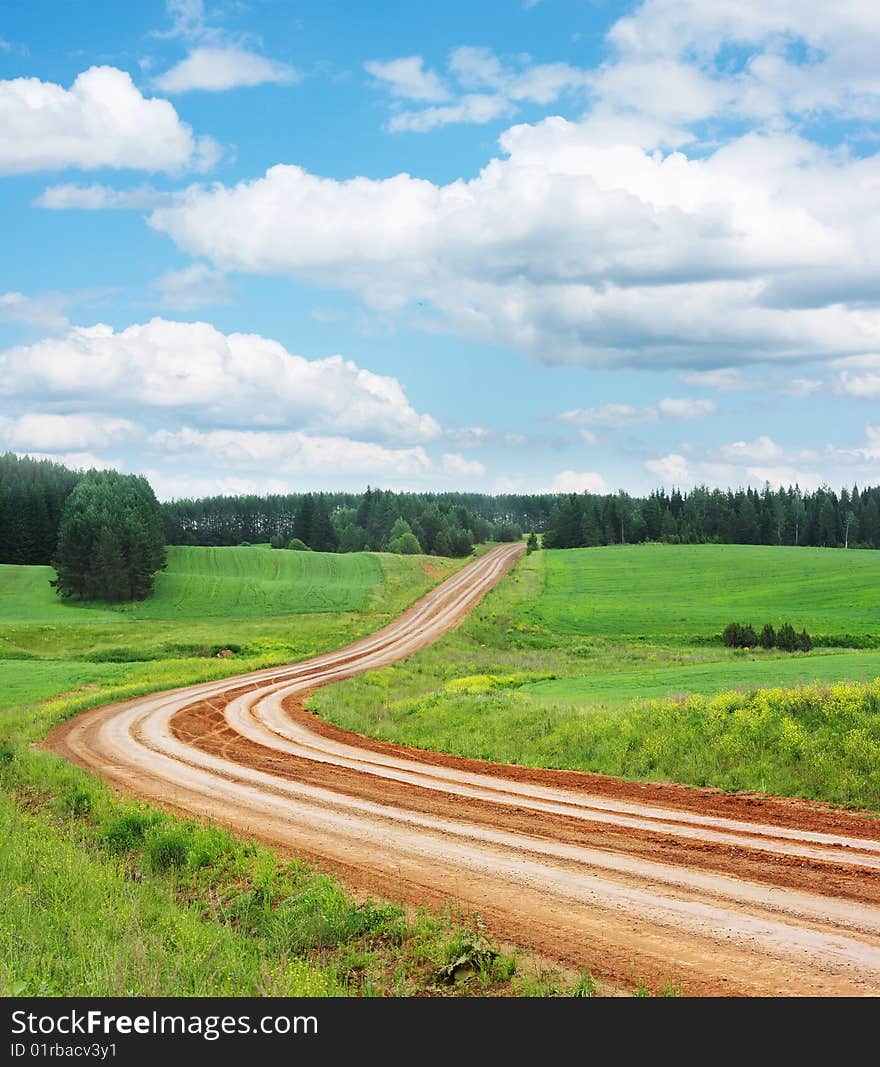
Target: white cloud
(216,69)
(101,121)
(191,287)
(65,433)
(608,415)
(473,108)
(45,312)
(685,408)
(859,376)
(469,436)
(293,453)
(761,450)
(82,461)
(100,198)
(748,58)
(216,377)
(578,247)
(616,415)
(485,87)
(671,470)
(407,78)
(724,379)
(455,465)
(578,482)
(801,386)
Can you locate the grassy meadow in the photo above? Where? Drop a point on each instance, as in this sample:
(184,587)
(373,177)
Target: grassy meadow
(610,660)
(104,897)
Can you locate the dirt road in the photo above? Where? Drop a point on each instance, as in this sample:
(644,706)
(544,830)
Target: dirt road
(720,894)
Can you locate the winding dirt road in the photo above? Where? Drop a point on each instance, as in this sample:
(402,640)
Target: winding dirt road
(720,894)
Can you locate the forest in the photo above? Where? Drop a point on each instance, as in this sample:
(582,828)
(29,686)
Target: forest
(33,494)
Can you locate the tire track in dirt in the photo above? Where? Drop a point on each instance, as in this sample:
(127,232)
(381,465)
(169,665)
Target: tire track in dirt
(723,894)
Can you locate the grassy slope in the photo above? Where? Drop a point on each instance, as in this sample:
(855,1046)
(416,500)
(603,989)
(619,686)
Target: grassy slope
(532,677)
(652,591)
(100,918)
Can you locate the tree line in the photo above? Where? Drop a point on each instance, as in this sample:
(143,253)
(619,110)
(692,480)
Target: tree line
(822,518)
(32,496)
(446,524)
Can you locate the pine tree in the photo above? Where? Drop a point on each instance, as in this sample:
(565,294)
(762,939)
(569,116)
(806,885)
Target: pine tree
(110,540)
(787,639)
(767,638)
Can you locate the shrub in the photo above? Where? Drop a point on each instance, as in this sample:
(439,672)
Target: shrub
(768,637)
(804,641)
(749,637)
(127,831)
(295,545)
(167,849)
(277,541)
(732,635)
(787,639)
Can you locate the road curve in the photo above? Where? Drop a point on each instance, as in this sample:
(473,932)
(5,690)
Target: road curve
(718,894)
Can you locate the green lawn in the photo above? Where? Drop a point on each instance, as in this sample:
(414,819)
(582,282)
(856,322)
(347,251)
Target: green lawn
(604,659)
(653,591)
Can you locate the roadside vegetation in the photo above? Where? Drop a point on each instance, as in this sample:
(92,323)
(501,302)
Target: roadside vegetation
(612,660)
(106,897)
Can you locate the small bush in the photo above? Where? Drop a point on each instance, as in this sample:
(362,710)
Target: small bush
(295,545)
(804,641)
(7,754)
(77,801)
(168,849)
(749,637)
(127,831)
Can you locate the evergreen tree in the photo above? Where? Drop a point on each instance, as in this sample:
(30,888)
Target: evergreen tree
(787,639)
(767,638)
(805,642)
(111,539)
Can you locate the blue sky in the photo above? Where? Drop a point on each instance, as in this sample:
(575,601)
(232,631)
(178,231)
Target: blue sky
(514,246)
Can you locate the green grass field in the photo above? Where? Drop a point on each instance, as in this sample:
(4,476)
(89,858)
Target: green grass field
(654,591)
(619,689)
(604,659)
(93,905)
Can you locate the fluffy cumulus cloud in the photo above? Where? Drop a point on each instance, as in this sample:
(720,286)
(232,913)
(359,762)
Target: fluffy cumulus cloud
(670,470)
(859,376)
(218,378)
(52,433)
(748,58)
(292,453)
(580,245)
(763,459)
(102,120)
(455,464)
(230,67)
